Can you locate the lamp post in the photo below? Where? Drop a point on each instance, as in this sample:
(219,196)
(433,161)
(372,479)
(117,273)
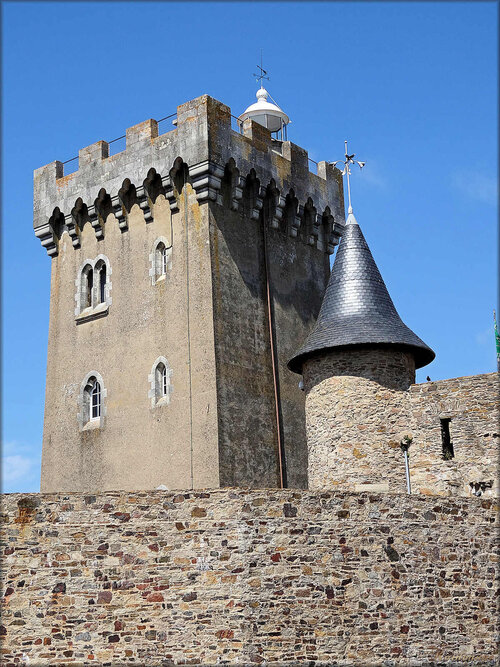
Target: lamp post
(405,446)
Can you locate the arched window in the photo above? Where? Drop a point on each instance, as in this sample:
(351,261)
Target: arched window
(160,260)
(91,401)
(93,289)
(87,286)
(102,284)
(95,397)
(161,380)
(160,384)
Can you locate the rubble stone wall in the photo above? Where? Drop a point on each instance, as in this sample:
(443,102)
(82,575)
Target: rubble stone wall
(241,577)
(471,404)
(356,415)
(361,403)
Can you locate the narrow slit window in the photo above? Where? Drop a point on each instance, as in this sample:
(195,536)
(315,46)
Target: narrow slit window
(448,452)
(160,383)
(89,288)
(96,401)
(102,284)
(164,380)
(163,260)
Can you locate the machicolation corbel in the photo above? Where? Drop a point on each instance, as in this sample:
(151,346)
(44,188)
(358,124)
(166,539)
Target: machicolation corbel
(76,220)
(127,197)
(49,233)
(153,186)
(103,206)
(214,169)
(206,179)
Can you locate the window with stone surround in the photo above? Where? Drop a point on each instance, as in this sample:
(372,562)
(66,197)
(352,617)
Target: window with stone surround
(160,385)
(93,289)
(160,260)
(91,402)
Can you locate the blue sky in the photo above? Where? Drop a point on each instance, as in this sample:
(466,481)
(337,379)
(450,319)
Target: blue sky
(412,85)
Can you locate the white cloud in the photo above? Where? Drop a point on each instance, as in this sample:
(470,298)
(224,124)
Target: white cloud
(20,467)
(16,467)
(476,186)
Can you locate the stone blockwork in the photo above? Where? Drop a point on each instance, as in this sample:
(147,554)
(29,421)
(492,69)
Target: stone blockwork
(356,415)
(248,577)
(471,404)
(360,404)
(249,231)
(204,140)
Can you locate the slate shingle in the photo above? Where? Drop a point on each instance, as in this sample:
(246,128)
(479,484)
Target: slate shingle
(357,308)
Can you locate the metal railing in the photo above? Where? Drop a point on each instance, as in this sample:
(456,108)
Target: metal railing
(235,125)
(315,169)
(116,149)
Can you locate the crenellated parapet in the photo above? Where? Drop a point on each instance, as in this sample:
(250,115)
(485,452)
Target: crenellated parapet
(246,171)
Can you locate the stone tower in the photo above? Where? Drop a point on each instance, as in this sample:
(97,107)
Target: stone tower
(184,270)
(357,365)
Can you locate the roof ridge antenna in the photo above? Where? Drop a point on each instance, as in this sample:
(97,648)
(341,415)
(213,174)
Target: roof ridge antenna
(347,161)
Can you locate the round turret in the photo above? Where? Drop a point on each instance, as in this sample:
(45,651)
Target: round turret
(357,365)
(265,113)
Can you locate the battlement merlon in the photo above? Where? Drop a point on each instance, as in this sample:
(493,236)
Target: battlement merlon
(206,143)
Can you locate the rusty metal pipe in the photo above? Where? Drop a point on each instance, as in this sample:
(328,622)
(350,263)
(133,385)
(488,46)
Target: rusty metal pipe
(274,362)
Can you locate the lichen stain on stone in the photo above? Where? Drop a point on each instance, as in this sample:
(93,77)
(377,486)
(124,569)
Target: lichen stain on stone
(358,454)
(283,169)
(26,509)
(64,180)
(195,212)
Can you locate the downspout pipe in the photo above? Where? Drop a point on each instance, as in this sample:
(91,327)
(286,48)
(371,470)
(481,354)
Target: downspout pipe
(274,362)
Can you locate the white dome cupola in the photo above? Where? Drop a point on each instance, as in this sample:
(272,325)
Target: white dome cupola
(265,113)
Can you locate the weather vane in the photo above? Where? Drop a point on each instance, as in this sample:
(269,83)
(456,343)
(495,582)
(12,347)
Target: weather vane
(263,72)
(349,159)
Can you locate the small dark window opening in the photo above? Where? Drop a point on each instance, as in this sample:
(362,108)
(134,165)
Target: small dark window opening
(90,285)
(102,284)
(448,452)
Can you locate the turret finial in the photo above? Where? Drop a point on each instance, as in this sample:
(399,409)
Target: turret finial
(348,160)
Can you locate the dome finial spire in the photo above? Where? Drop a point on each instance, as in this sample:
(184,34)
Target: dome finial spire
(349,159)
(260,77)
(265,112)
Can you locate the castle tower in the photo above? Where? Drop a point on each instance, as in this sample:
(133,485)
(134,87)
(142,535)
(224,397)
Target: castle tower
(357,365)
(184,270)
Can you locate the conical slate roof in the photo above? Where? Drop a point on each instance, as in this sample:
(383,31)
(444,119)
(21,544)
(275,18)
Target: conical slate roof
(357,308)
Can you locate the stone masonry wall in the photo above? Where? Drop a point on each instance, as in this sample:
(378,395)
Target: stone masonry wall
(359,406)
(472,405)
(248,577)
(208,193)
(356,415)
(139,445)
